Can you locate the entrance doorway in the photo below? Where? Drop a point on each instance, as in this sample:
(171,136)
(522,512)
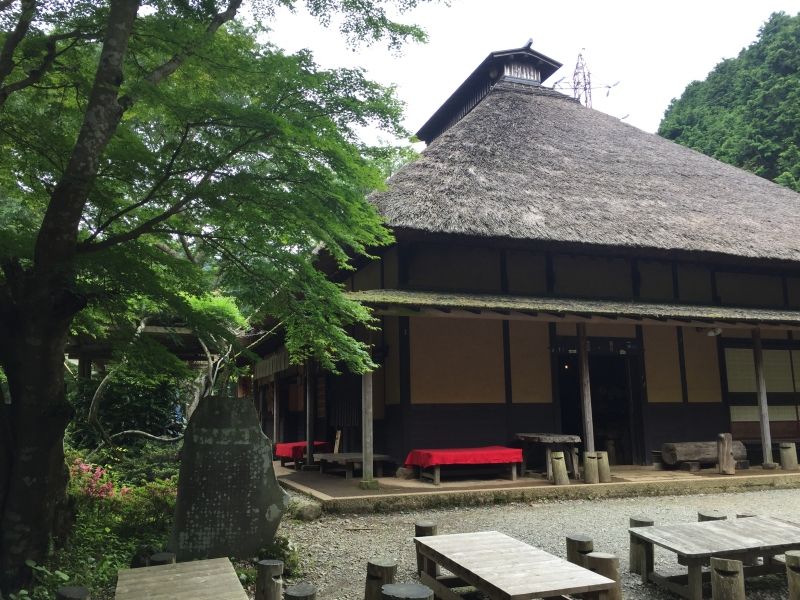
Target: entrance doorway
(615,402)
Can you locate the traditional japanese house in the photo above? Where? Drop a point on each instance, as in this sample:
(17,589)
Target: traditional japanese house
(535,235)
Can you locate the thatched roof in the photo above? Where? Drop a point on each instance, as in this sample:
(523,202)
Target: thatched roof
(390,301)
(528,163)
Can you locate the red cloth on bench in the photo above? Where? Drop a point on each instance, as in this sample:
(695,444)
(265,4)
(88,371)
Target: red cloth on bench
(297,450)
(486,455)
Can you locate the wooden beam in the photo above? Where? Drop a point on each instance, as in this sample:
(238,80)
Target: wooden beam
(367,441)
(276,417)
(309,414)
(586,392)
(763,408)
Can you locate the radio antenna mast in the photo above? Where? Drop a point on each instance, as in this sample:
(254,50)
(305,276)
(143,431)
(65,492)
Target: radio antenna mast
(582,81)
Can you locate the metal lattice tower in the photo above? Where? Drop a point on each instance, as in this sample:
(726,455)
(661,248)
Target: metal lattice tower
(582,82)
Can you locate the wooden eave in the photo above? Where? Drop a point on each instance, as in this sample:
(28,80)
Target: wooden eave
(571,310)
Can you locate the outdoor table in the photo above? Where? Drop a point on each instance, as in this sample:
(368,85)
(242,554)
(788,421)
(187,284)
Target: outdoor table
(212,579)
(502,567)
(553,442)
(695,544)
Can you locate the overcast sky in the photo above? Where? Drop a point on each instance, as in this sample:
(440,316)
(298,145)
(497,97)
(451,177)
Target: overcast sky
(653,49)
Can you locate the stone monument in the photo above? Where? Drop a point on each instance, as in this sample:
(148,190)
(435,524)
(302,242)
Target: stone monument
(229,501)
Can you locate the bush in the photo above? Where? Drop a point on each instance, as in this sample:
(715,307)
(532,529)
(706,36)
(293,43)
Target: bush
(115,525)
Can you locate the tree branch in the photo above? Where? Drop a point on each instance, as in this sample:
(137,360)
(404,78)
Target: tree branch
(27,12)
(173,64)
(150,194)
(58,233)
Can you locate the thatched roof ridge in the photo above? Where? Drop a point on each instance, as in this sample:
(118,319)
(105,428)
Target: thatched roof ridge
(530,164)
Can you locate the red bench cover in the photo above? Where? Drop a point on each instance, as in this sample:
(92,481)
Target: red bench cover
(297,450)
(486,455)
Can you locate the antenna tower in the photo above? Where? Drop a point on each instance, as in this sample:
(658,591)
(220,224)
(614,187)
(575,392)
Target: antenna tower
(582,81)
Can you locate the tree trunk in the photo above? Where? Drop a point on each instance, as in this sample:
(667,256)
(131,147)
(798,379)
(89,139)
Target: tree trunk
(33,476)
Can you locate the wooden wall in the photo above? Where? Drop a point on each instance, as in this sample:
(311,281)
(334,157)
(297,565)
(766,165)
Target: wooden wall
(662,364)
(456,361)
(529,345)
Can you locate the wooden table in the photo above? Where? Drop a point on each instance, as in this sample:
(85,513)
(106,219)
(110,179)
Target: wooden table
(695,543)
(349,460)
(212,579)
(553,442)
(503,568)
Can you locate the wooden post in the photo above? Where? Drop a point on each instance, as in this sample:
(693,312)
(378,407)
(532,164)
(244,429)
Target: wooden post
(586,391)
(309,415)
(710,515)
(727,579)
(406,591)
(161,558)
(423,529)
(606,565)
(726,464)
(603,468)
(793,573)
(559,468)
(763,409)
(276,412)
(635,555)
(788,456)
(72,592)
(578,546)
(300,591)
(269,584)
(590,472)
(379,573)
(366,428)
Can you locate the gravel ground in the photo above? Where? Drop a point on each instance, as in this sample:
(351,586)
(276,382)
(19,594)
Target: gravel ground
(335,549)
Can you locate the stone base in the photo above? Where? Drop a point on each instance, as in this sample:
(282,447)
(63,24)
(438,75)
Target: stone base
(368,484)
(770,466)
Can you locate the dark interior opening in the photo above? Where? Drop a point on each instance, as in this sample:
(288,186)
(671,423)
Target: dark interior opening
(614,403)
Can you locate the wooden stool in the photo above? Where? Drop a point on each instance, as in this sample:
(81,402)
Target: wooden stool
(379,573)
(606,565)
(161,558)
(301,591)
(269,584)
(578,546)
(635,552)
(406,591)
(72,592)
(793,573)
(727,579)
(423,529)
(710,515)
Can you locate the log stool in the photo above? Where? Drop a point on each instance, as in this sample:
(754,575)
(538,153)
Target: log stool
(269,584)
(606,565)
(406,591)
(558,466)
(578,546)
(161,558)
(793,573)
(603,467)
(710,515)
(380,571)
(788,456)
(590,472)
(72,592)
(300,591)
(727,579)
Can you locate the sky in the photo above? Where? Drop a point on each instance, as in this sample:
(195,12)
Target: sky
(648,50)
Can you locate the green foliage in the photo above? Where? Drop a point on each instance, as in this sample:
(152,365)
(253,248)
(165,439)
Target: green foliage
(115,527)
(747,112)
(282,549)
(141,462)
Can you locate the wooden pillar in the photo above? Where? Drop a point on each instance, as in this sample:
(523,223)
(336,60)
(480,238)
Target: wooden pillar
(367,440)
(586,392)
(763,409)
(309,415)
(276,415)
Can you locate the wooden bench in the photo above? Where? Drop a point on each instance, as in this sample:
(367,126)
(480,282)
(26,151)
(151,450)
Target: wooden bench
(212,579)
(435,459)
(349,461)
(693,455)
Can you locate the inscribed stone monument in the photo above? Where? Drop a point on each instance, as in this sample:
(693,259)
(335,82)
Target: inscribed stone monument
(229,501)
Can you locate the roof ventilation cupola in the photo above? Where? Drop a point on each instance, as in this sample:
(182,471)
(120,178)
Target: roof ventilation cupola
(519,66)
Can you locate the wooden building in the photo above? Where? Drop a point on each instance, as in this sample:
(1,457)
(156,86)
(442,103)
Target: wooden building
(533,228)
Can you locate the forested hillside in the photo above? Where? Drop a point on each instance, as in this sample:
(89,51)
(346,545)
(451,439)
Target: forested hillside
(747,112)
